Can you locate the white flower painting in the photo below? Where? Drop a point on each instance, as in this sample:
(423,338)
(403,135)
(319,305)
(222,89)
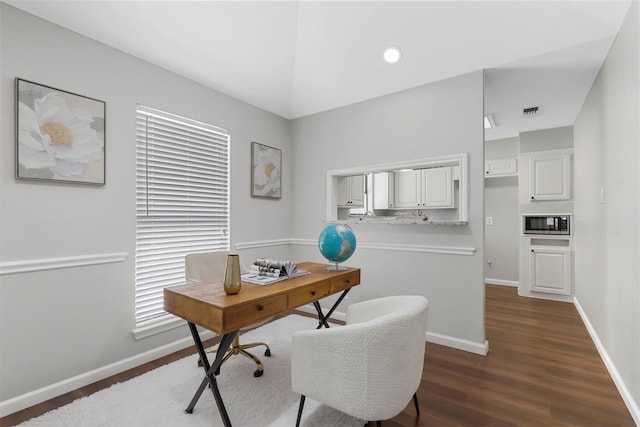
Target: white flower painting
(266,171)
(60,135)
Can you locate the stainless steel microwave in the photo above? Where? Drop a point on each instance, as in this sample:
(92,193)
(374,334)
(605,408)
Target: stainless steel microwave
(546,224)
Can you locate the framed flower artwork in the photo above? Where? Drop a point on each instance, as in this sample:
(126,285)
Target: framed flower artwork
(266,168)
(60,136)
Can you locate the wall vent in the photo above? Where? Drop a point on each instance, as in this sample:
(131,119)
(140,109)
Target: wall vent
(532,111)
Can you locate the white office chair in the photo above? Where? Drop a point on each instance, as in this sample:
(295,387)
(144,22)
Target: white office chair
(202,267)
(371,367)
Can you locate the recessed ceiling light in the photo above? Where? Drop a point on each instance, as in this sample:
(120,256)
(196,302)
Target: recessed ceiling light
(392,54)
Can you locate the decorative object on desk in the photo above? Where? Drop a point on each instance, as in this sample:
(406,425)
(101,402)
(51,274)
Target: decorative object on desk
(265,271)
(60,136)
(337,243)
(266,168)
(232,281)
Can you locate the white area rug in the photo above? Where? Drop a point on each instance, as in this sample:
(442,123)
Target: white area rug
(158,398)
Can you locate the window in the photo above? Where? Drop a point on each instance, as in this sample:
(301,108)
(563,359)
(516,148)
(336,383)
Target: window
(182,202)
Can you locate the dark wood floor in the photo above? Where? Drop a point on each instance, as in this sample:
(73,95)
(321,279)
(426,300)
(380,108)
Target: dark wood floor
(542,370)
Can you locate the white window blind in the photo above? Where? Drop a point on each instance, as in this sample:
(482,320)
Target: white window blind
(182,201)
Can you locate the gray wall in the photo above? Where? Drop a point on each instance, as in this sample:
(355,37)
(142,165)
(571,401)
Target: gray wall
(62,322)
(502,239)
(607,239)
(61,326)
(546,139)
(432,120)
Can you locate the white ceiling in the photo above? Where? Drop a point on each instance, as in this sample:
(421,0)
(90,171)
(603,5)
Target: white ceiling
(296,58)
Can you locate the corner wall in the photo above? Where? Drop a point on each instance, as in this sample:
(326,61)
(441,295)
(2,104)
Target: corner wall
(428,121)
(607,239)
(68,309)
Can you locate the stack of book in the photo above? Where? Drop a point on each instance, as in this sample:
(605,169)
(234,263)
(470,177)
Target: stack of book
(264,271)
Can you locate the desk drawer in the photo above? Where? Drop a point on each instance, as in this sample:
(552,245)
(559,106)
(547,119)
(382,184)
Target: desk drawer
(249,313)
(308,294)
(343,282)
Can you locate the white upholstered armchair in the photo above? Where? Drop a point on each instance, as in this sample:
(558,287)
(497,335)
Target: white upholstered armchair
(369,368)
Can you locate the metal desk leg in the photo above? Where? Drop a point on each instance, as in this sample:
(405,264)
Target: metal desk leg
(209,370)
(322,319)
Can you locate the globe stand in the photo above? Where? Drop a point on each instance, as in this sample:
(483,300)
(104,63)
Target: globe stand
(336,267)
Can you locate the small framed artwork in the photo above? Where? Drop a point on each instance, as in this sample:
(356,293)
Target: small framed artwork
(266,168)
(60,136)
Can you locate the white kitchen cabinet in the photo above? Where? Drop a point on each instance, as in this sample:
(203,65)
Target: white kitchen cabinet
(423,189)
(437,191)
(351,191)
(500,167)
(383,190)
(550,177)
(407,189)
(550,269)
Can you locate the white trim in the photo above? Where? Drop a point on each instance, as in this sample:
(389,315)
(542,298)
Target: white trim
(262,244)
(304,242)
(460,344)
(449,250)
(432,337)
(53,390)
(40,264)
(401,247)
(501,282)
(632,406)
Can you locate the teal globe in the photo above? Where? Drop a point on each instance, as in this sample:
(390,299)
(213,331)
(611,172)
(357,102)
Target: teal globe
(337,242)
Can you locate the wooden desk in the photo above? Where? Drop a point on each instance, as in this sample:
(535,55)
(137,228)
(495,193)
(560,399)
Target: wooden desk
(207,305)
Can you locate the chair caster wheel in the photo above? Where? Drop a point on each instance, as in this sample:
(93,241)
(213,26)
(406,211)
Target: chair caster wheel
(267,352)
(199,363)
(188,411)
(258,373)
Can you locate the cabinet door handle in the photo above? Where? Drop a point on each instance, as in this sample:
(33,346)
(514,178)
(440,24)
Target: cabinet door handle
(532,250)
(313,293)
(261,307)
(532,198)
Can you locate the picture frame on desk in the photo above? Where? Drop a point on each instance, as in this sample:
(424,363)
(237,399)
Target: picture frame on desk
(266,171)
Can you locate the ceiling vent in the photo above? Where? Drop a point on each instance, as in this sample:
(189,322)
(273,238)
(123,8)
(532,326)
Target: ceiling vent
(532,111)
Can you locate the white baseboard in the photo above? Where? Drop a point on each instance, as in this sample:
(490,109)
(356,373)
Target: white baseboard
(57,389)
(542,295)
(457,343)
(460,344)
(633,407)
(445,340)
(513,283)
